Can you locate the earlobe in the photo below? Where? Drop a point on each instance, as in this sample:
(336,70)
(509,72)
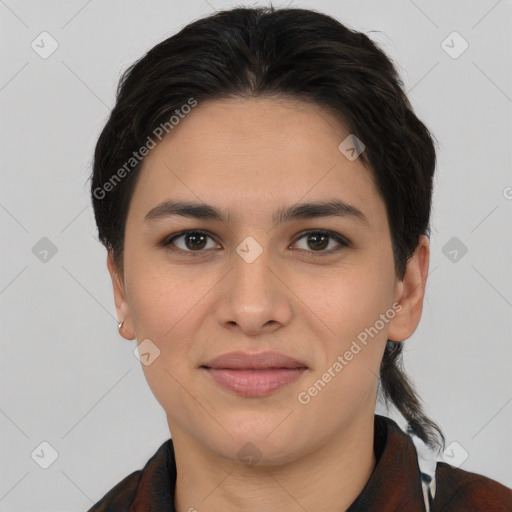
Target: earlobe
(410,294)
(122,307)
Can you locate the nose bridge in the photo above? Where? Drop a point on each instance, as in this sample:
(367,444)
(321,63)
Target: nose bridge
(252,296)
(251,281)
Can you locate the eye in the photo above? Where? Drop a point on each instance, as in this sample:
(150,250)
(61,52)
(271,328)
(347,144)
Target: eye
(191,241)
(320,240)
(316,241)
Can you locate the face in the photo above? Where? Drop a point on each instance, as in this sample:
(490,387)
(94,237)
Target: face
(309,285)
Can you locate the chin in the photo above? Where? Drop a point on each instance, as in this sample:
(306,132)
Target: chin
(255,453)
(265,440)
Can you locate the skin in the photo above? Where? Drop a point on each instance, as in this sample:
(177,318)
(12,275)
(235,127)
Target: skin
(250,157)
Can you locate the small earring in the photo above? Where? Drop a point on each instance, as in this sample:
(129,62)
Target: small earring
(120,324)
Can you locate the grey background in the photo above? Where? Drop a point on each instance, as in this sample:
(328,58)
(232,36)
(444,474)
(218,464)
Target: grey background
(69,379)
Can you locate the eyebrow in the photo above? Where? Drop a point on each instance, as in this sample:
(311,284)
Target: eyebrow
(333,208)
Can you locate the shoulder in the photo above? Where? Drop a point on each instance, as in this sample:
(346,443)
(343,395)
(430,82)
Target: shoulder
(121,496)
(155,478)
(459,490)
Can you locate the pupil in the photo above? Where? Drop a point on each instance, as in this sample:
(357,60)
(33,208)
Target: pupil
(195,241)
(315,237)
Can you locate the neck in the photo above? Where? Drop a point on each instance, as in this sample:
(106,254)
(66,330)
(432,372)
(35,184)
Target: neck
(328,477)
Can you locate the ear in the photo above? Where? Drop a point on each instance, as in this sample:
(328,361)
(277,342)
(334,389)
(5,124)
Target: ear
(410,292)
(122,307)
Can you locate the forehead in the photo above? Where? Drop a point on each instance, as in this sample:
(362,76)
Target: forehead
(258,126)
(255,153)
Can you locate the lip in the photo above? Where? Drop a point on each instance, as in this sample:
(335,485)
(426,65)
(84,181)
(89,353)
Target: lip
(254,382)
(254,374)
(253,361)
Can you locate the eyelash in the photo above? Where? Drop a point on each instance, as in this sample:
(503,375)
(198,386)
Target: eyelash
(343,242)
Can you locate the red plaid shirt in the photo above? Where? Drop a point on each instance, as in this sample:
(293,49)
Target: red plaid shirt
(394,485)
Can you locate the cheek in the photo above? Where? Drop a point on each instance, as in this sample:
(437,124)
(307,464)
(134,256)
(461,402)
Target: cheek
(347,301)
(161,300)
(347,321)
(164,310)
(168,308)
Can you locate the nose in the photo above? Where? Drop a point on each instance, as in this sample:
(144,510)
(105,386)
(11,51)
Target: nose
(253,299)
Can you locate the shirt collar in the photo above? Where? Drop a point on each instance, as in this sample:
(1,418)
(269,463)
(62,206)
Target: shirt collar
(395,483)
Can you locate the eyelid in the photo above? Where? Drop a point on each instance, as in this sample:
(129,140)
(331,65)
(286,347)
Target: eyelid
(340,239)
(169,239)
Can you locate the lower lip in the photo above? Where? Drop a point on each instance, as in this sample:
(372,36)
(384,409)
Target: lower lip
(255,382)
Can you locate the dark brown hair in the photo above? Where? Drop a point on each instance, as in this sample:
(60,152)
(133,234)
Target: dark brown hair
(299,53)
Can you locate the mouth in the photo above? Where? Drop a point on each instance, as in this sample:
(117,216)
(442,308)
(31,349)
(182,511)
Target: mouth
(254,373)
(254,382)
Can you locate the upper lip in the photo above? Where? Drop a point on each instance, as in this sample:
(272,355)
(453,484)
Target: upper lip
(258,361)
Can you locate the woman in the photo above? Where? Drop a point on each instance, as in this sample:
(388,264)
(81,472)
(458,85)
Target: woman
(263,188)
